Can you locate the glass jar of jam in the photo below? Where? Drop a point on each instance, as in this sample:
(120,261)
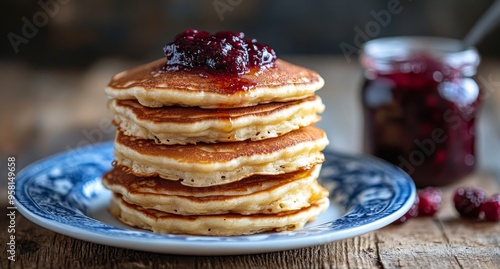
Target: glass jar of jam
(420,102)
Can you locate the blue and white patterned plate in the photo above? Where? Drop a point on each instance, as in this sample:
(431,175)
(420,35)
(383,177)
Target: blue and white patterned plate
(63,193)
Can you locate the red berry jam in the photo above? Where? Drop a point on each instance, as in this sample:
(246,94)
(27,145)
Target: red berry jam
(420,104)
(225,52)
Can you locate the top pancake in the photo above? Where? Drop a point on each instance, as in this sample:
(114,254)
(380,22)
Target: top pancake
(154,87)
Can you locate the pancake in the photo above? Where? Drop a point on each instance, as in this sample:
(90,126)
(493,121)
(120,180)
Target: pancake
(216,225)
(181,125)
(256,194)
(221,163)
(153,87)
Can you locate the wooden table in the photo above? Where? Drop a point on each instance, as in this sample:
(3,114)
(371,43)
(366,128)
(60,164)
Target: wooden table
(444,241)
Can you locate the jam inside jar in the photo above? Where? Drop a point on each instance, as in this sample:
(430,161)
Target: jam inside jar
(420,102)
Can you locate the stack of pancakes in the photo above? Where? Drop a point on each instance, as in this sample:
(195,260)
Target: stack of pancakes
(216,155)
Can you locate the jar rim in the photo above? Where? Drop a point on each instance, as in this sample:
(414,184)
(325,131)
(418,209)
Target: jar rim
(382,51)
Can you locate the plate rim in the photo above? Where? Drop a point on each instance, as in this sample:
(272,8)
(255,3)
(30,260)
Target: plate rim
(185,247)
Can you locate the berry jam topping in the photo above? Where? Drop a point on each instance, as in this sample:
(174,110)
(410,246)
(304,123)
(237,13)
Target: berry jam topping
(412,213)
(468,200)
(226,52)
(491,208)
(430,201)
(407,102)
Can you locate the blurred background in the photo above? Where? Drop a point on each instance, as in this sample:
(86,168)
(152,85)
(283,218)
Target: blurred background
(57,56)
(80,33)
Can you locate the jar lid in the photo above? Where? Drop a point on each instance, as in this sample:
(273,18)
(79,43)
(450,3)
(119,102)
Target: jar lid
(382,53)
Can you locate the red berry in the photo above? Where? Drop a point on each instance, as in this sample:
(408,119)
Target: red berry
(491,208)
(430,201)
(413,212)
(468,200)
